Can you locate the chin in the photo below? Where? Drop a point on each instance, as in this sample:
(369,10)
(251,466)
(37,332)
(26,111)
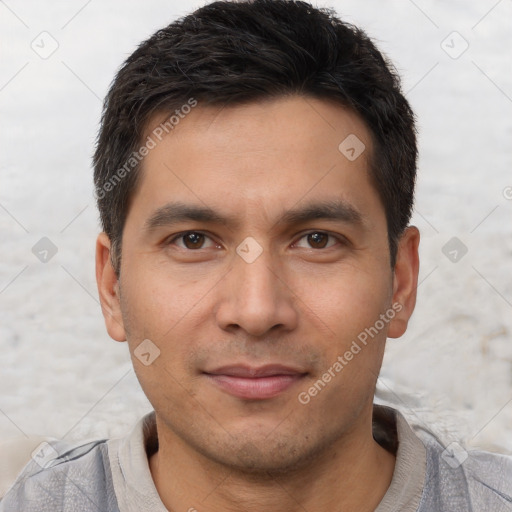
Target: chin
(266,457)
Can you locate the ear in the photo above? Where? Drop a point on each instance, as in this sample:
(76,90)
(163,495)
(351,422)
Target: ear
(405,281)
(108,288)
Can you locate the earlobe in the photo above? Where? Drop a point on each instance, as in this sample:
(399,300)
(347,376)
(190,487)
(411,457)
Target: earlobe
(108,289)
(405,281)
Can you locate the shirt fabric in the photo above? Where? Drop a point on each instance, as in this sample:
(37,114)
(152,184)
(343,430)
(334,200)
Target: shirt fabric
(113,475)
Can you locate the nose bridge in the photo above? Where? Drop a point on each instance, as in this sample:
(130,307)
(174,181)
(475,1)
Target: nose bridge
(257,301)
(256,281)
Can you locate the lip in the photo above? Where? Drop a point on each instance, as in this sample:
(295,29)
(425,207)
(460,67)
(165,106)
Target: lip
(255,383)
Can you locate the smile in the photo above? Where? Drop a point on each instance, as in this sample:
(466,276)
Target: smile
(255,383)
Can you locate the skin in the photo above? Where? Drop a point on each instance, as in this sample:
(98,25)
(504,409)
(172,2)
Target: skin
(301,303)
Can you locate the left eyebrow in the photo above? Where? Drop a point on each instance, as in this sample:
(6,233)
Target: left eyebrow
(338,210)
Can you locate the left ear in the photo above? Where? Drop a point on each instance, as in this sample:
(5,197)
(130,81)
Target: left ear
(405,281)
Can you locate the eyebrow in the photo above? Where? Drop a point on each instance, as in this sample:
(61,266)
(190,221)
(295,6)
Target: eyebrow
(173,213)
(176,212)
(329,210)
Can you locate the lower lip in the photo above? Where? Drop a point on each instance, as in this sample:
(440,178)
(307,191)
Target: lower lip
(256,388)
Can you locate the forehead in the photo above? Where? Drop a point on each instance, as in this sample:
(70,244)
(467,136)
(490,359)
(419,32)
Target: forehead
(257,156)
(254,125)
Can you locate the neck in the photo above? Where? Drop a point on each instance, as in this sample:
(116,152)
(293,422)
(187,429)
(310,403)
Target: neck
(351,475)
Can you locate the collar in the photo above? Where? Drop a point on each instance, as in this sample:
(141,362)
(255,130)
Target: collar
(136,491)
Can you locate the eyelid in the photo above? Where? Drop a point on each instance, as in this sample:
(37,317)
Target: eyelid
(172,239)
(338,237)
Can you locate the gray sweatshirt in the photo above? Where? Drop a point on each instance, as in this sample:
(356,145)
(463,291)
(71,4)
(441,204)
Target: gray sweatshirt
(113,475)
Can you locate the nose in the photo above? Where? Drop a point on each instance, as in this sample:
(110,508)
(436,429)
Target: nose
(257,297)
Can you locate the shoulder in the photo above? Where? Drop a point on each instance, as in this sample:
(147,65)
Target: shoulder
(465,480)
(14,454)
(60,476)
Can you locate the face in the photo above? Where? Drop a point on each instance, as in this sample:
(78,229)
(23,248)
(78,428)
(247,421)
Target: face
(254,259)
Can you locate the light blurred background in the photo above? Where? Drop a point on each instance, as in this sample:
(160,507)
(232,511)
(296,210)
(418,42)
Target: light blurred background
(62,376)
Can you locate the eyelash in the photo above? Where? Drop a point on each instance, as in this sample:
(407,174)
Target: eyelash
(340,239)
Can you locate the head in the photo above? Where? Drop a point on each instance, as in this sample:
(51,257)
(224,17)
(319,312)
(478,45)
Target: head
(255,172)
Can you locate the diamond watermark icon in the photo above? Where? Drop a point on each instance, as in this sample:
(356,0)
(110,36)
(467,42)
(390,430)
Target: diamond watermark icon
(454,455)
(44,454)
(44,250)
(454,249)
(352,147)
(249,250)
(146,352)
(454,45)
(45,45)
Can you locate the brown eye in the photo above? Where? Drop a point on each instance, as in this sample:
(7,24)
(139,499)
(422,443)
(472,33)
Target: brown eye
(318,240)
(193,240)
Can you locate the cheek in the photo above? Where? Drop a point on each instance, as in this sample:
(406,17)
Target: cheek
(169,313)
(157,301)
(353,352)
(346,300)
(152,315)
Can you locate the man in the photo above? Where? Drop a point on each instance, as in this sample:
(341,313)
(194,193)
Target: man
(255,174)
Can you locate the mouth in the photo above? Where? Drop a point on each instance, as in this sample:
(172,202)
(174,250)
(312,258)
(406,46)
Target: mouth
(255,383)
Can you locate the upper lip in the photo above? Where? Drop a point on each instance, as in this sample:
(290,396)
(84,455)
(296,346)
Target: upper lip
(246,371)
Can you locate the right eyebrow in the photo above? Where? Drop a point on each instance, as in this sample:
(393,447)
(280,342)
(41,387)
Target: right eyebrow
(176,212)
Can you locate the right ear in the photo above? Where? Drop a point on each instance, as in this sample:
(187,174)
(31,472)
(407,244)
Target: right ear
(108,288)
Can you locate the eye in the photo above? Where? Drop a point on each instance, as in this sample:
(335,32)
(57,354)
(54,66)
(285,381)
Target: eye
(193,240)
(318,240)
